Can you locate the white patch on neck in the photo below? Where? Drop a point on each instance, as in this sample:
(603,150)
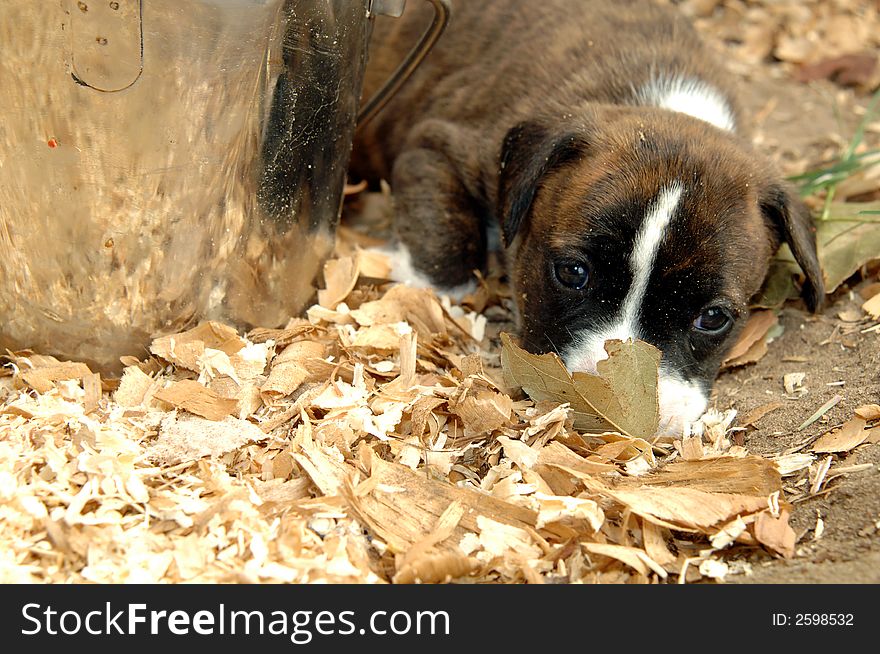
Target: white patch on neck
(689,96)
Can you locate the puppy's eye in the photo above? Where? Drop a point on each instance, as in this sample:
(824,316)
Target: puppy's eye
(573,274)
(714,321)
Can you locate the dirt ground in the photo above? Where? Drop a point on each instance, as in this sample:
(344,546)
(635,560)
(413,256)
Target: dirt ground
(802,124)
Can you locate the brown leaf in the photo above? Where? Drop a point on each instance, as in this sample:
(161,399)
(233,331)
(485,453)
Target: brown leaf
(752,345)
(846,70)
(869,412)
(756,414)
(623,397)
(776,533)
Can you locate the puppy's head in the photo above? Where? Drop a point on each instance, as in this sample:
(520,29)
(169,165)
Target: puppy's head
(642,224)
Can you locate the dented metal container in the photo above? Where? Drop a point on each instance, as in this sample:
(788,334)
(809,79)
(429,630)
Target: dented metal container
(167,162)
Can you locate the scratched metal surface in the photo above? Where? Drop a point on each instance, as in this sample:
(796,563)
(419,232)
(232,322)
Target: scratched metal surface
(166,162)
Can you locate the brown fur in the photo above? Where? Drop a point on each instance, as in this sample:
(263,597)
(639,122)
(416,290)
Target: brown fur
(524,112)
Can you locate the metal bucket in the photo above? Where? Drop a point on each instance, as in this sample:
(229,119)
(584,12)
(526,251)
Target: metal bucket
(167,162)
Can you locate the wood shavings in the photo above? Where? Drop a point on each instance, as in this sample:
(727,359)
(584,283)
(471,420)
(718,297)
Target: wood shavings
(365,443)
(184,437)
(195,398)
(42,378)
(793,383)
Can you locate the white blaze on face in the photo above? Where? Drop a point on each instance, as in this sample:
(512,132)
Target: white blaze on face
(680,400)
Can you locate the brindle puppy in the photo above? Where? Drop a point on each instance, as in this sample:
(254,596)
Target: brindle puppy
(607,144)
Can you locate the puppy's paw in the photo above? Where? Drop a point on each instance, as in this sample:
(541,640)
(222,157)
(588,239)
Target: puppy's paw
(404,271)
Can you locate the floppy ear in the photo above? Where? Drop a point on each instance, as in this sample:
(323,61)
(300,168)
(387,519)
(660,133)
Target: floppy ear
(791,220)
(530,150)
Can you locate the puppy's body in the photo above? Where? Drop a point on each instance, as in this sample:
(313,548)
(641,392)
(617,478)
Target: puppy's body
(606,143)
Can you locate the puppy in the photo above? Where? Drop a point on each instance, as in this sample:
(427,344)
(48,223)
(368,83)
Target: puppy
(605,143)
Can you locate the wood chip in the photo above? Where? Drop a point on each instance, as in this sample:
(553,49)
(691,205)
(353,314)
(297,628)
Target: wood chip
(757,413)
(195,398)
(42,379)
(850,435)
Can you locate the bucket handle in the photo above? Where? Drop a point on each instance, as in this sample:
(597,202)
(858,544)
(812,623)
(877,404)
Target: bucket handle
(412,60)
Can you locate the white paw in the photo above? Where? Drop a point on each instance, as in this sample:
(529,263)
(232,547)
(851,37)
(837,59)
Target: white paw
(403,271)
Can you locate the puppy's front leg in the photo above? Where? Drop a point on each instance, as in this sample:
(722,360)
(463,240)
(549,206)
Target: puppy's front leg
(439,223)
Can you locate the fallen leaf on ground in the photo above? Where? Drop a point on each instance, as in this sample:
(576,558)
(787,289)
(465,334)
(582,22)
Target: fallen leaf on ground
(752,344)
(622,397)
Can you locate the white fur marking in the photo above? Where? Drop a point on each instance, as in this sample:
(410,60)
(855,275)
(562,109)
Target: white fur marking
(689,96)
(403,271)
(589,348)
(647,243)
(681,402)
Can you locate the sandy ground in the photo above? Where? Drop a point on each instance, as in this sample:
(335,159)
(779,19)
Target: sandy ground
(803,124)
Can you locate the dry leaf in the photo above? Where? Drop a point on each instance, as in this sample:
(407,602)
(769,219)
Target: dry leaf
(776,533)
(869,412)
(757,413)
(623,397)
(752,344)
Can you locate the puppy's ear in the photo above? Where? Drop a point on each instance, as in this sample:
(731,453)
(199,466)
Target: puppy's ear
(791,220)
(530,150)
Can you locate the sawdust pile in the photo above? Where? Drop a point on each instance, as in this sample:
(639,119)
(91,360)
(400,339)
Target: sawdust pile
(372,441)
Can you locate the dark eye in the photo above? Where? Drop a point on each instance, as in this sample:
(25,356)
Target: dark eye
(714,321)
(573,274)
